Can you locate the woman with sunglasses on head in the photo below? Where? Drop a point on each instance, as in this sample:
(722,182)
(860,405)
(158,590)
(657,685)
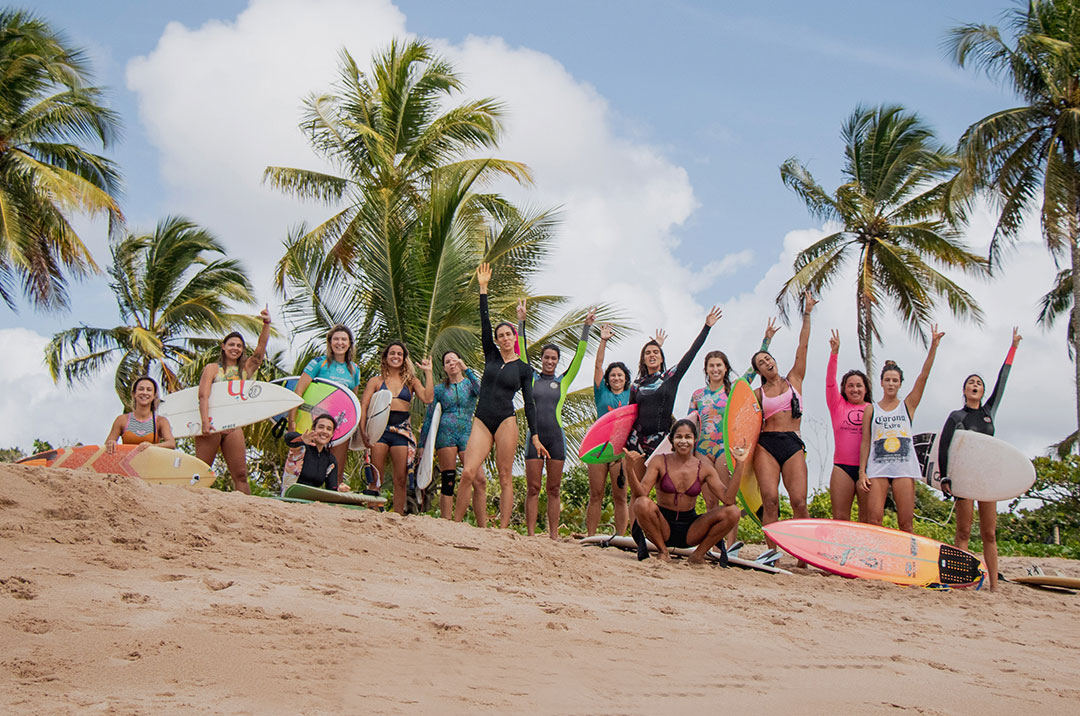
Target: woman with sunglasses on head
(494,422)
(978,415)
(396,374)
(338,365)
(230,365)
(142,426)
(846,402)
(887,456)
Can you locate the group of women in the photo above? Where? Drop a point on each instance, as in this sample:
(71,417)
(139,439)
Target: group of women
(874,447)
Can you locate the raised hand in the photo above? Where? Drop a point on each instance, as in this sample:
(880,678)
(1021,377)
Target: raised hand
(521,312)
(713,317)
(590,317)
(660,337)
(834,341)
(483,275)
(771,329)
(461,365)
(425,365)
(808,302)
(265,315)
(1016,336)
(935,336)
(308,438)
(606,332)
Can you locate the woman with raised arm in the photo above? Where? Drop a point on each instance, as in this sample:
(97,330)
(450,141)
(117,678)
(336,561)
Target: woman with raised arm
(396,375)
(339,365)
(888,449)
(549,394)
(846,402)
(494,422)
(230,365)
(142,426)
(611,390)
(457,396)
(977,415)
(781,453)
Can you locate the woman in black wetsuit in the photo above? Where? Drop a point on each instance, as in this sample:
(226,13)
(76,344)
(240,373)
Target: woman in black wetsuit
(494,422)
(977,415)
(654,394)
(310,461)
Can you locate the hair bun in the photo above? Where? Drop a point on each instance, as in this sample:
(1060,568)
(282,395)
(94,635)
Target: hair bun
(890,364)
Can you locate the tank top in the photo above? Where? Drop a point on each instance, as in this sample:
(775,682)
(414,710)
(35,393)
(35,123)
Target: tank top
(226,374)
(139,431)
(892,450)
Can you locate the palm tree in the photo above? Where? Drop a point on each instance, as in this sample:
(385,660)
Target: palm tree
(47,109)
(1028,156)
(892,216)
(173,294)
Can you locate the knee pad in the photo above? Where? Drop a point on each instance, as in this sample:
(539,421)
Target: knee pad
(447,487)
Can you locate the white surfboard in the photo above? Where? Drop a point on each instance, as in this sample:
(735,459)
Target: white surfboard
(981,467)
(627,543)
(427,452)
(233,404)
(664,448)
(376,417)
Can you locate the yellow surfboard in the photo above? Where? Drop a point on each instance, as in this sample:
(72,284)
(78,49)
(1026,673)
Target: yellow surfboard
(156,465)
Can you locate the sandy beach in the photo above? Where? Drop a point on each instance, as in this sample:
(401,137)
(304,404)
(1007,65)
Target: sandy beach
(118,597)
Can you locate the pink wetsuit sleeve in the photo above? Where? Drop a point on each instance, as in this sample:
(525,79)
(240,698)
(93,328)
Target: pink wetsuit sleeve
(832,390)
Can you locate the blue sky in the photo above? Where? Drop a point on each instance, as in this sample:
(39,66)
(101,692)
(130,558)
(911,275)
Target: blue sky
(658,127)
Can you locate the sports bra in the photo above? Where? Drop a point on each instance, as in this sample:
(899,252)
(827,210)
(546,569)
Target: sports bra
(405,393)
(668,485)
(139,431)
(779,403)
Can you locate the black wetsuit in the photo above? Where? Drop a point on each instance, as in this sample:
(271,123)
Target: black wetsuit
(501,380)
(320,468)
(655,397)
(549,394)
(980,419)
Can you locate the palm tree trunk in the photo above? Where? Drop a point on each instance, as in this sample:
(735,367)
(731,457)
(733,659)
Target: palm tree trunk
(1075,317)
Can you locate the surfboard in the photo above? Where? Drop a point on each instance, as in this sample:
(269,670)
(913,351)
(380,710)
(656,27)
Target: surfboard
(981,467)
(1048,580)
(627,543)
(378,415)
(605,441)
(853,549)
(233,404)
(427,452)
(156,465)
(325,397)
(664,448)
(741,428)
(317,494)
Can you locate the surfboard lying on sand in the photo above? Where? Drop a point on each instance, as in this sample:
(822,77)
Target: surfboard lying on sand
(156,465)
(853,549)
(981,467)
(427,451)
(605,441)
(627,543)
(741,428)
(317,494)
(325,397)
(233,404)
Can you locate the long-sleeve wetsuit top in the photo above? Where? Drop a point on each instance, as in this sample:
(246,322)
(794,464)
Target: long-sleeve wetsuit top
(655,394)
(458,401)
(320,468)
(710,405)
(979,419)
(549,391)
(846,419)
(501,380)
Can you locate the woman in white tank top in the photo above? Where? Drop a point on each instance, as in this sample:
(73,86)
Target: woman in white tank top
(888,451)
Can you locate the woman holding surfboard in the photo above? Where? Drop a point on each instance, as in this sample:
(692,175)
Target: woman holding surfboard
(781,453)
(396,375)
(977,415)
(230,365)
(549,394)
(888,449)
(457,397)
(142,426)
(846,405)
(494,422)
(610,391)
(338,365)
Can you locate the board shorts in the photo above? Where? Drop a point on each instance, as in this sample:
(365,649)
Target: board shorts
(554,444)
(781,445)
(644,444)
(851,470)
(398,432)
(679,522)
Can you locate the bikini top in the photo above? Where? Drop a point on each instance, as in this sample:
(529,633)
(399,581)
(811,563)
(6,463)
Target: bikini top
(668,485)
(139,431)
(405,393)
(778,404)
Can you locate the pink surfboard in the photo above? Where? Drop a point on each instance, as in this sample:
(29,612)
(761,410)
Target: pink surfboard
(606,439)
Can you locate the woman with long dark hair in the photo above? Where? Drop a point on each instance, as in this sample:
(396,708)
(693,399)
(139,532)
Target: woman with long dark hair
(847,403)
(142,426)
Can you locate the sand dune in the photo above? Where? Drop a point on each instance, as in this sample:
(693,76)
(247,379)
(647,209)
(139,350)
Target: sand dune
(117,597)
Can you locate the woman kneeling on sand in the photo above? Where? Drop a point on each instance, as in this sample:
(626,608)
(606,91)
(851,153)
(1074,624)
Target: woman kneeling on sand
(672,520)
